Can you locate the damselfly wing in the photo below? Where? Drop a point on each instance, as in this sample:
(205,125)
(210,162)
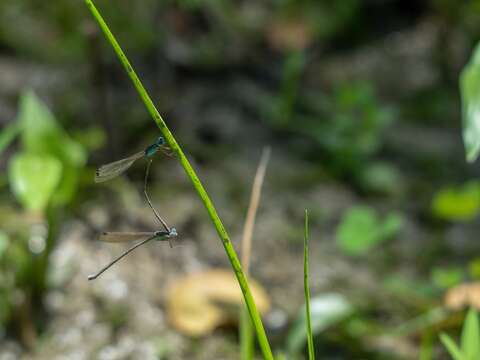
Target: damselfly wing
(119,237)
(109,171)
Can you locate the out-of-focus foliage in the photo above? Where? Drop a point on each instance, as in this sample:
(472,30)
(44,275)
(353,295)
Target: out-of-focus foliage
(57,32)
(353,124)
(33,179)
(446,277)
(326,310)
(470,90)
(361,229)
(381,178)
(469,348)
(43,175)
(42,135)
(348,125)
(8,134)
(457,203)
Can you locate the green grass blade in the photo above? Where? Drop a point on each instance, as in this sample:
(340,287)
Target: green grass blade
(246,335)
(452,348)
(470,341)
(311,350)
(172,143)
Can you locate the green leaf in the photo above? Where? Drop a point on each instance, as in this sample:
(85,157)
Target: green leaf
(325,310)
(457,203)
(470,94)
(452,348)
(41,134)
(471,336)
(33,179)
(361,229)
(446,278)
(8,135)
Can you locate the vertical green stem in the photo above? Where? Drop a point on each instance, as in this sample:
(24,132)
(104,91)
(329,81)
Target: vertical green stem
(232,256)
(311,350)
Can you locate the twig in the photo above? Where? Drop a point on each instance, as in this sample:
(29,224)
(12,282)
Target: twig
(246,331)
(252,209)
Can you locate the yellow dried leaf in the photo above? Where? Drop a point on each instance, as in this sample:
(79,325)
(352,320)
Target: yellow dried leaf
(464,295)
(202,301)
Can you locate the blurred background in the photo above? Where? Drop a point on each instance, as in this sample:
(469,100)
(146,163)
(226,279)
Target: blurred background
(359,101)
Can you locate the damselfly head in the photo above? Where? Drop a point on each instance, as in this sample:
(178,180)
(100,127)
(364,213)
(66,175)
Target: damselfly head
(160,141)
(173,232)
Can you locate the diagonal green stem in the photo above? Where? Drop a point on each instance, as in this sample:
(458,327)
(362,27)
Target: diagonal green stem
(232,256)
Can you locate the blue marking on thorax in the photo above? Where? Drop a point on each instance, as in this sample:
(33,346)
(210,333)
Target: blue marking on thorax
(151,150)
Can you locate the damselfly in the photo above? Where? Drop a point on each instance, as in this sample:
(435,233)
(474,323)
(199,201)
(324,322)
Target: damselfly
(144,237)
(109,171)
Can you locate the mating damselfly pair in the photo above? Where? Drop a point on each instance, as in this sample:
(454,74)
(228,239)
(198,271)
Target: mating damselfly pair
(109,171)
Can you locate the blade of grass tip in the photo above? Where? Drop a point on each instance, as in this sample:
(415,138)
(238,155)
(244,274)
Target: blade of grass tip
(172,143)
(311,350)
(246,329)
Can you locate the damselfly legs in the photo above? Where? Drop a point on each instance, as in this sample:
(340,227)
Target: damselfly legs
(111,170)
(131,236)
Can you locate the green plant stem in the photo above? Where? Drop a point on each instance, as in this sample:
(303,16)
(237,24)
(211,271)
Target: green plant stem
(311,350)
(232,256)
(246,335)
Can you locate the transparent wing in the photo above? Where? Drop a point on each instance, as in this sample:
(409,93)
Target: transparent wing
(112,170)
(125,236)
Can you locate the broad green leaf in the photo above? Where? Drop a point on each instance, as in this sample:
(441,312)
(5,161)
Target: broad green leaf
(361,229)
(452,348)
(34,178)
(470,94)
(41,134)
(325,310)
(471,336)
(457,203)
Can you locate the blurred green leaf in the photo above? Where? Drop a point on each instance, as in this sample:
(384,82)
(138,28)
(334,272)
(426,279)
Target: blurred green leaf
(8,135)
(361,229)
(470,339)
(471,336)
(470,93)
(452,348)
(41,134)
(34,178)
(380,177)
(92,138)
(457,203)
(3,243)
(474,268)
(445,278)
(325,310)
